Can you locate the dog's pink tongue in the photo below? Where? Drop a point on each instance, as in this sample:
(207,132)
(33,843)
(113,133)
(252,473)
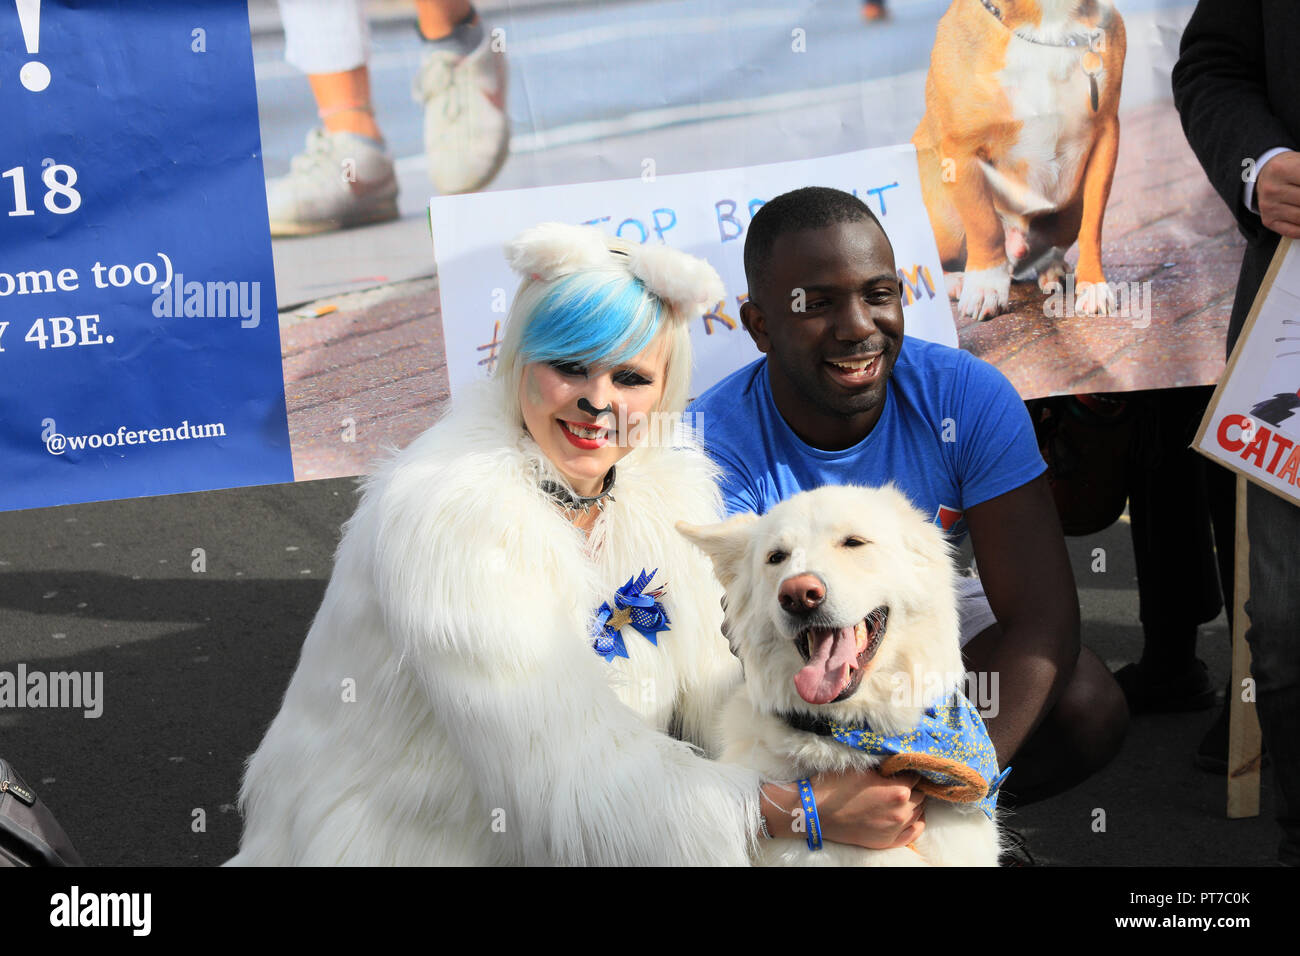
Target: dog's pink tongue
(830,654)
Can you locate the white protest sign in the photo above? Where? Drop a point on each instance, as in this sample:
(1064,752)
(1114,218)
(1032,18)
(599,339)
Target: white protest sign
(705,214)
(1253,423)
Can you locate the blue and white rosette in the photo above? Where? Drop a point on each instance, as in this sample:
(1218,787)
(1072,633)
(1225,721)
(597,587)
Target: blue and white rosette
(632,605)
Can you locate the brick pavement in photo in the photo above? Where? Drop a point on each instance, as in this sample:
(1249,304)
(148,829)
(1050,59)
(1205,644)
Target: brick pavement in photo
(1164,224)
(366,377)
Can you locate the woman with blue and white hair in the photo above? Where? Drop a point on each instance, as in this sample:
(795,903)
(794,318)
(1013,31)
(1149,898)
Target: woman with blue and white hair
(518,659)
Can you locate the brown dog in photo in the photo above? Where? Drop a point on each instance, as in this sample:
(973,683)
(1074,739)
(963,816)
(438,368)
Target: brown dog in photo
(1018,144)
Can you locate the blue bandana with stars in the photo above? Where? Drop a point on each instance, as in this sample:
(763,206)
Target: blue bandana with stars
(950,730)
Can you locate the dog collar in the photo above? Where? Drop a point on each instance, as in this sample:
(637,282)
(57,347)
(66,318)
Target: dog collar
(949,748)
(1079,38)
(1090,62)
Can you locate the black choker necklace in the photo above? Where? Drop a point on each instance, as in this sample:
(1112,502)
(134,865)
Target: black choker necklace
(571,502)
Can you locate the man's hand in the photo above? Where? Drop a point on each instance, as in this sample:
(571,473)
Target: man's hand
(1277,194)
(859,808)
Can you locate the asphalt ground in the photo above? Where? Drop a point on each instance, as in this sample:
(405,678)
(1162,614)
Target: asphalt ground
(195,663)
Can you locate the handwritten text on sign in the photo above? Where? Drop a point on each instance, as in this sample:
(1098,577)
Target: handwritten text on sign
(705,214)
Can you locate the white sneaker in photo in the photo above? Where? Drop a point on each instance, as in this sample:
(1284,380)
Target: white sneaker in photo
(466,130)
(341,180)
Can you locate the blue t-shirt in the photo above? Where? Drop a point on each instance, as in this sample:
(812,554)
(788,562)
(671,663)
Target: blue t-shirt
(953,434)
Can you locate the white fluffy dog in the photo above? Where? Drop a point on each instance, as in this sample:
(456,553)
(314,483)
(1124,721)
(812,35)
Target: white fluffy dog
(841,607)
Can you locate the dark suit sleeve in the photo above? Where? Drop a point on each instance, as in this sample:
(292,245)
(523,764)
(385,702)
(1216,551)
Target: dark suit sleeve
(1221,92)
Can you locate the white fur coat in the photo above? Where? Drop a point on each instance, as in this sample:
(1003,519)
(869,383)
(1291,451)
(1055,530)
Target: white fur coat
(448,707)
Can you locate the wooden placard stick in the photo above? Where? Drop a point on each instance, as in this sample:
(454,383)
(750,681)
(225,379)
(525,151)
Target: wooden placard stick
(1243,726)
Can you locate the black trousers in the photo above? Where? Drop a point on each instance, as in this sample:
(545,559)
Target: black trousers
(1180,505)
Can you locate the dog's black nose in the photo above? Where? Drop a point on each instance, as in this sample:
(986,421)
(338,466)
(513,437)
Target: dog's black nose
(802,593)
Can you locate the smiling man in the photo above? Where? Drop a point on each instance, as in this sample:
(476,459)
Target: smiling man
(842,396)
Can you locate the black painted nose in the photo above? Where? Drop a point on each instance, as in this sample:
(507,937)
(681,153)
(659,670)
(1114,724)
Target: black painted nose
(592,410)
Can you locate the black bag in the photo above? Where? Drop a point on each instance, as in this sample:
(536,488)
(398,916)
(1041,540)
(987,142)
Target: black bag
(29,834)
(1087,442)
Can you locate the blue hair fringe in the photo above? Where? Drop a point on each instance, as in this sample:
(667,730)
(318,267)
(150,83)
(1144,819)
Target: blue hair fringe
(592,318)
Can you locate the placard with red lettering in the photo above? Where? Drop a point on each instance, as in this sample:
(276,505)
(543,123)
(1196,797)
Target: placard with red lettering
(1253,423)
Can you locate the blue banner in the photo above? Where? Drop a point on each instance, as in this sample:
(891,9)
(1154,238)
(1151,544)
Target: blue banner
(139,341)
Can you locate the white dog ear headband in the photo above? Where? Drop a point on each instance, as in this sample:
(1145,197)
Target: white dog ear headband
(688,285)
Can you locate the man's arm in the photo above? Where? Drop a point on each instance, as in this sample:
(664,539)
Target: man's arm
(1221,92)
(1025,570)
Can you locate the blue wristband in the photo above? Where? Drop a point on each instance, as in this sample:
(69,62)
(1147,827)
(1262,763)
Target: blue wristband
(811,822)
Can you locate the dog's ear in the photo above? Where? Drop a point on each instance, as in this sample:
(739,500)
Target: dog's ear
(924,542)
(724,543)
(925,545)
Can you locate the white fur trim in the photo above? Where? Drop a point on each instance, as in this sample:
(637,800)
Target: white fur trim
(484,728)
